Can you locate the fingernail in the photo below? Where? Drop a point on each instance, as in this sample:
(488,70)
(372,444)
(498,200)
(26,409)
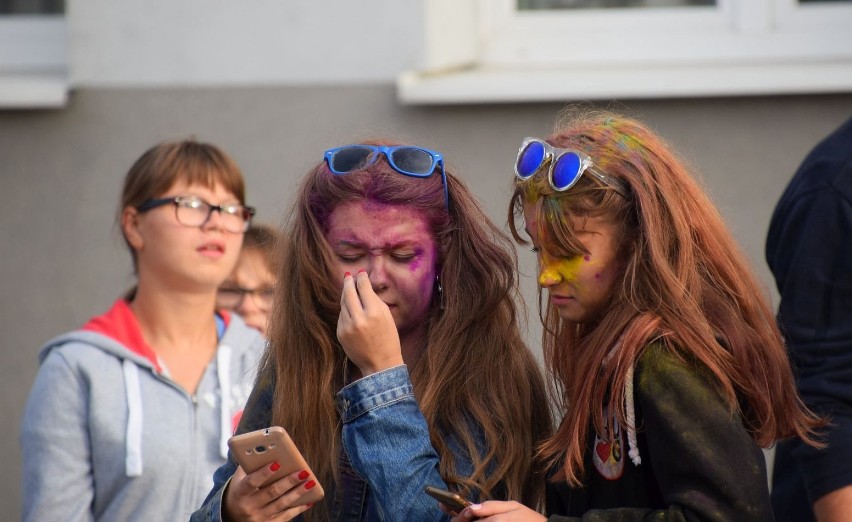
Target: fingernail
(303,475)
(347,274)
(309,484)
(311,504)
(274,466)
(475,507)
(361,270)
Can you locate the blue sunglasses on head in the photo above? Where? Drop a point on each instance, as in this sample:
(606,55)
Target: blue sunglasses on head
(411,161)
(565,166)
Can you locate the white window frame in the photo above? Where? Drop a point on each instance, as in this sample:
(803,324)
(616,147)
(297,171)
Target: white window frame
(33,62)
(488,51)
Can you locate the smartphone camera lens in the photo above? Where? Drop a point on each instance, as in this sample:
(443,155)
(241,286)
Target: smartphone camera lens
(260,449)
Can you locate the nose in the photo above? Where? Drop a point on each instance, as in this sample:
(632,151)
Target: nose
(548,272)
(377,270)
(254,316)
(214,220)
(247,306)
(549,277)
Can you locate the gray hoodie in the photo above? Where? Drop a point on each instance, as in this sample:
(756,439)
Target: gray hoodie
(106,435)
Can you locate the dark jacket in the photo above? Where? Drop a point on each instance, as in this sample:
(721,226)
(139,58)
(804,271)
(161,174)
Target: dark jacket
(698,462)
(809,250)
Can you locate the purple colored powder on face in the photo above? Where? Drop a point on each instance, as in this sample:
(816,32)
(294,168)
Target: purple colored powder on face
(371,205)
(419,256)
(597,276)
(587,257)
(415,263)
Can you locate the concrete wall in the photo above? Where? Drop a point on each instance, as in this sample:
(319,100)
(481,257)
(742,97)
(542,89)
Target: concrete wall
(62,259)
(261,42)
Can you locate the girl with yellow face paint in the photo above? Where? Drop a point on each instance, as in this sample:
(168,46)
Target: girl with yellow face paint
(668,365)
(577,286)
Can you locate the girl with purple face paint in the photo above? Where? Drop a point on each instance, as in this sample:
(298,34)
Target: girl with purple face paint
(662,352)
(395,360)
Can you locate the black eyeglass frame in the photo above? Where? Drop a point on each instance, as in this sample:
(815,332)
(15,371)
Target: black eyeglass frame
(248,214)
(260,292)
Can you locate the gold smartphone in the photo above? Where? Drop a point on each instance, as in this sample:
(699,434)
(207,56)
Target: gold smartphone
(256,449)
(452,500)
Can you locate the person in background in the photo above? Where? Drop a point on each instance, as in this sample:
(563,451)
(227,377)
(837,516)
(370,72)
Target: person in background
(670,369)
(809,250)
(395,359)
(250,289)
(130,414)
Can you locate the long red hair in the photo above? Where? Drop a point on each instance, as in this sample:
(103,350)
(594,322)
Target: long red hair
(684,283)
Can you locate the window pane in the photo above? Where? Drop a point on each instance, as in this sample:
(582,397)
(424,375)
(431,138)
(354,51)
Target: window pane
(30,7)
(597,4)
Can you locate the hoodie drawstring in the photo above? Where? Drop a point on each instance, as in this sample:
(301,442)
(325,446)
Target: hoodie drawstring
(630,408)
(629,405)
(133,443)
(223,370)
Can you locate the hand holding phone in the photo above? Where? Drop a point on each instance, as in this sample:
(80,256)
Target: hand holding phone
(260,448)
(452,500)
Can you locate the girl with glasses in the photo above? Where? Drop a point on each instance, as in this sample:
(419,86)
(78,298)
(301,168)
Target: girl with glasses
(395,359)
(250,288)
(130,415)
(663,351)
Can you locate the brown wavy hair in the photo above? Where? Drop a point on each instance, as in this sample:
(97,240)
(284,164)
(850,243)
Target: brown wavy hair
(684,284)
(476,373)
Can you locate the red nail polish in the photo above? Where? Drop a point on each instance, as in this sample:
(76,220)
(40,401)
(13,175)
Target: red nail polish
(310,505)
(274,466)
(303,475)
(361,270)
(309,484)
(347,274)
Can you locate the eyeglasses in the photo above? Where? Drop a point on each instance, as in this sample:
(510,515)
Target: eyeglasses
(195,212)
(565,166)
(405,159)
(232,297)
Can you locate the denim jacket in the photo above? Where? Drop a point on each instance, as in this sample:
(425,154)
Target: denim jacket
(387,457)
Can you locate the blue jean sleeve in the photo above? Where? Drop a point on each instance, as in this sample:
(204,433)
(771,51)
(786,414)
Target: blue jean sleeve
(211,510)
(387,440)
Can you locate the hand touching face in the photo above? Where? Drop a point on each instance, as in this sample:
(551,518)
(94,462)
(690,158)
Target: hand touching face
(365,328)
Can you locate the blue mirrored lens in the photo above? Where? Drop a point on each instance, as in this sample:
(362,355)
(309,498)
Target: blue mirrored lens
(412,160)
(566,170)
(530,159)
(350,159)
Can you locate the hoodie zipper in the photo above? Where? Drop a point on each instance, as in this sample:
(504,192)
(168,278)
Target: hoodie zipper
(194,452)
(189,482)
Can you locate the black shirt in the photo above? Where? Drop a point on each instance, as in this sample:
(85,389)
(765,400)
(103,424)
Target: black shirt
(809,250)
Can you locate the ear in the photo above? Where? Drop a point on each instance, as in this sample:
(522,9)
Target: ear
(130,228)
